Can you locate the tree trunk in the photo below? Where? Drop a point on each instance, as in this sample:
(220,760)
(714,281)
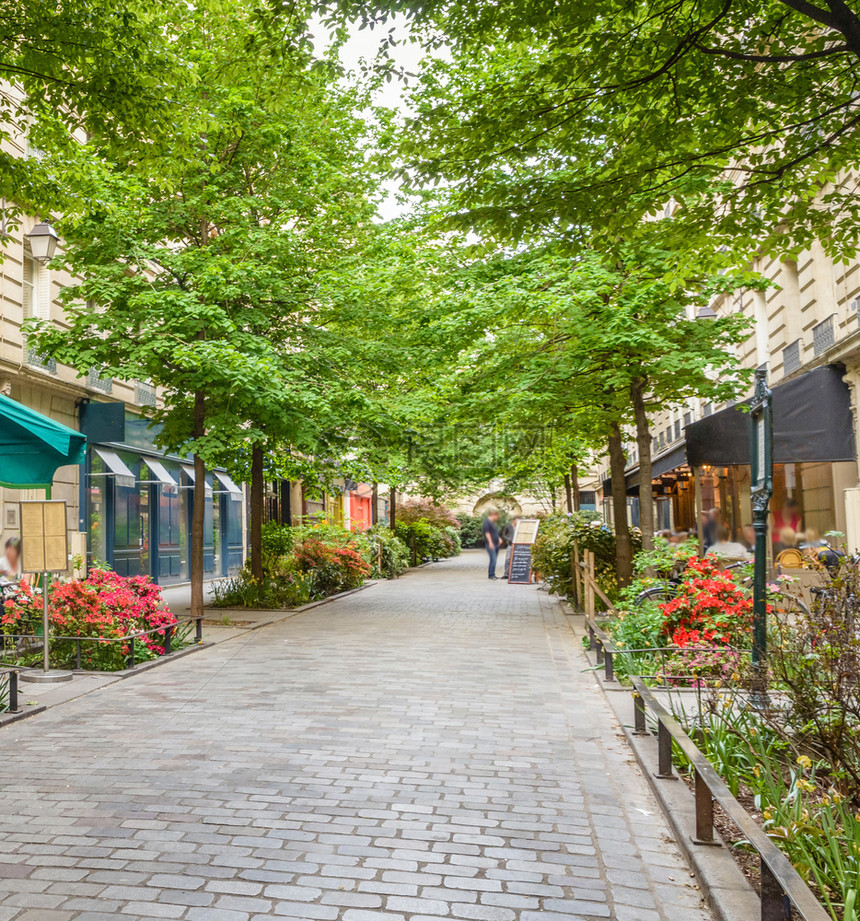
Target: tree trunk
(199,509)
(643,442)
(257,488)
(568,491)
(392,508)
(623,551)
(574,478)
(374,505)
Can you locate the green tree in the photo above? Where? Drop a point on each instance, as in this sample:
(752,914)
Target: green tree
(546,119)
(585,347)
(199,263)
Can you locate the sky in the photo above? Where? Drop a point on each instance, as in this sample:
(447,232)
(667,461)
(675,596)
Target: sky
(363,45)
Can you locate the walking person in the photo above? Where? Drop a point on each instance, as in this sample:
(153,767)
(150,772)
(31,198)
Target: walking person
(492,539)
(508,533)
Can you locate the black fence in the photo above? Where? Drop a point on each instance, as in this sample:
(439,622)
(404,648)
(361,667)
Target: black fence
(784,894)
(27,643)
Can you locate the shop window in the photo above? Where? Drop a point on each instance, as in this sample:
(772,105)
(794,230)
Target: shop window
(97,512)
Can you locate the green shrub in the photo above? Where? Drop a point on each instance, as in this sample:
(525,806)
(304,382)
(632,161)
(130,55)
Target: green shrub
(386,553)
(471,533)
(332,568)
(427,510)
(277,542)
(427,542)
(551,554)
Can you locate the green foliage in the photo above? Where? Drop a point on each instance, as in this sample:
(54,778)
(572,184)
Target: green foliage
(551,554)
(380,541)
(278,540)
(816,826)
(548,120)
(285,589)
(471,531)
(428,542)
(437,515)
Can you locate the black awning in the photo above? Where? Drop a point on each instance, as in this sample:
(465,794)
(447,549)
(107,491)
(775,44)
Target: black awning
(677,457)
(812,422)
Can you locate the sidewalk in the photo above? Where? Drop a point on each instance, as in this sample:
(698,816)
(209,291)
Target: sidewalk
(430,748)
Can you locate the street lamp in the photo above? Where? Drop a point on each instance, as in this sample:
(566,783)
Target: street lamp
(761,458)
(43,241)
(706,313)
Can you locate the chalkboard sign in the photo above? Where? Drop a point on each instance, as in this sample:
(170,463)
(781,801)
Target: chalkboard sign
(521,564)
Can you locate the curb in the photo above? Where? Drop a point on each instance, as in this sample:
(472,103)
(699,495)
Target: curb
(721,881)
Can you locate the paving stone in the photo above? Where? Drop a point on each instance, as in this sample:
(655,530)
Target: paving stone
(432,747)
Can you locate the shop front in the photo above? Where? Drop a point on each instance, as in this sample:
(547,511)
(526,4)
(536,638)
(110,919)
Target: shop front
(815,460)
(137,502)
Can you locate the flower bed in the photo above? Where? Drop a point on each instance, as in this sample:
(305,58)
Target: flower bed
(101,610)
(795,762)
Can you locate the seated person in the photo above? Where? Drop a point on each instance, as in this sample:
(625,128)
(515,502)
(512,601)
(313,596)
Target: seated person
(786,540)
(749,537)
(11,560)
(726,547)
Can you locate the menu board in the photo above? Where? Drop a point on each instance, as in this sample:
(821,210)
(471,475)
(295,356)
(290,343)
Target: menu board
(521,564)
(526,532)
(44,546)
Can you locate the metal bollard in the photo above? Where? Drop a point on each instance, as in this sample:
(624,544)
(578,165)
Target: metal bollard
(608,667)
(78,653)
(13,692)
(639,728)
(168,641)
(775,904)
(704,814)
(198,633)
(131,654)
(664,752)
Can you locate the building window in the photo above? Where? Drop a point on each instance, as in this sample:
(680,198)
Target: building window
(688,418)
(791,357)
(707,409)
(668,434)
(37,305)
(677,428)
(823,336)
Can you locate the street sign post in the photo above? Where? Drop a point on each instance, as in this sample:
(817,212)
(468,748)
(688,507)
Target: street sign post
(45,550)
(761,489)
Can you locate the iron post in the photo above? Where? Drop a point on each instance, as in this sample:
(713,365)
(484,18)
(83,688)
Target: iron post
(761,462)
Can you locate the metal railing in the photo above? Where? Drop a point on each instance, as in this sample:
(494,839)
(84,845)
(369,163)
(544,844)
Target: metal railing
(131,639)
(782,888)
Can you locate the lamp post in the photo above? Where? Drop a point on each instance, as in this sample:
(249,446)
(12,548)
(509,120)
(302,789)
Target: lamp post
(761,458)
(43,241)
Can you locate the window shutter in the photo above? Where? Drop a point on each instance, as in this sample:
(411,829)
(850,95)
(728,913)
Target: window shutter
(43,293)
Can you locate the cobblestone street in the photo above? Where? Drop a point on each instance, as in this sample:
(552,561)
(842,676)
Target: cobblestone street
(425,748)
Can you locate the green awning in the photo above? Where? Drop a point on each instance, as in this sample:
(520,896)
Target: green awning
(32,446)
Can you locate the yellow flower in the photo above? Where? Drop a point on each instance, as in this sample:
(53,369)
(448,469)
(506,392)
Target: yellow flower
(757,771)
(768,814)
(805,785)
(805,762)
